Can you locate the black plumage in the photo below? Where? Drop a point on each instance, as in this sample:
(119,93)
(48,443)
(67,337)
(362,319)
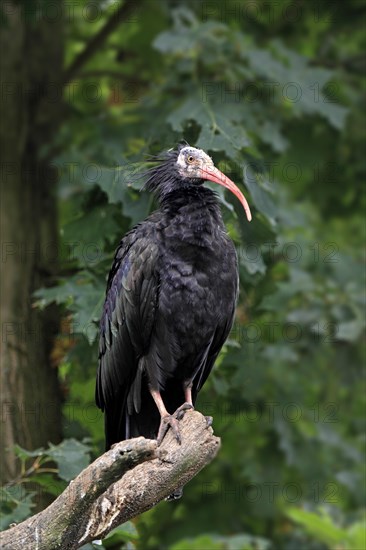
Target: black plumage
(170,301)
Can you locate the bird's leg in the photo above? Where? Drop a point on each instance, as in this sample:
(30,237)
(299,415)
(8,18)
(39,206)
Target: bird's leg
(188,394)
(168,420)
(188,404)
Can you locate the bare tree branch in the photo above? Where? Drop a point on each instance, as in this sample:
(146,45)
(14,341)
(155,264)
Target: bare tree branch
(97,41)
(121,484)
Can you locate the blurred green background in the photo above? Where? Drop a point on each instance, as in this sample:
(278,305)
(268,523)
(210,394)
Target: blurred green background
(274,93)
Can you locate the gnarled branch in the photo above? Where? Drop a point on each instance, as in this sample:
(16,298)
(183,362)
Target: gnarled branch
(119,16)
(121,484)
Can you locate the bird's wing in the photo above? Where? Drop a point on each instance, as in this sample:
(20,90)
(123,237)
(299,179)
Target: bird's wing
(126,325)
(218,341)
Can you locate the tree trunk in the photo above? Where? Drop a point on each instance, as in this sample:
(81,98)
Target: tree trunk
(31,75)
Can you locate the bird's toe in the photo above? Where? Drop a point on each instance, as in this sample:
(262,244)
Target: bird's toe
(177,494)
(172,421)
(179,413)
(167,422)
(209,421)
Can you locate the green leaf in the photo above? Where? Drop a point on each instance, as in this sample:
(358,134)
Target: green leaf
(120,186)
(336,114)
(258,186)
(71,457)
(350,331)
(203,542)
(49,483)
(24,453)
(61,294)
(83,295)
(253,264)
(223,134)
(356,535)
(218,132)
(123,534)
(270,132)
(217,542)
(181,39)
(21,511)
(173,43)
(320,525)
(295,83)
(86,236)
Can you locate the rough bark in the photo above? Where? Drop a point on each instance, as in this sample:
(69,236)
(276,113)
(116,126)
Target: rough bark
(99,499)
(31,99)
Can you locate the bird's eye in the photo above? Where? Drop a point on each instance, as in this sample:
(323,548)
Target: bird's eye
(190,159)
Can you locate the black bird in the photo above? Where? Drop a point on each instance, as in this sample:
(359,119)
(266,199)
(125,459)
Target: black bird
(170,302)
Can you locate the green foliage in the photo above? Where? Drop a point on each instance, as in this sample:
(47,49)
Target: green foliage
(322,527)
(70,456)
(126,533)
(124,536)
(276,101)
(215,542)
(78,294)
(46,471)
(14,510)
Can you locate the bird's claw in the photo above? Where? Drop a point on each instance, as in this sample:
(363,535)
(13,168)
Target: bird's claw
(177,494)
(167,422)
(179,413)
(209,421)
(172,421)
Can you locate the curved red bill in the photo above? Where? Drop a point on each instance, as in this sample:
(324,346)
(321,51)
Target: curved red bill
(214,174)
